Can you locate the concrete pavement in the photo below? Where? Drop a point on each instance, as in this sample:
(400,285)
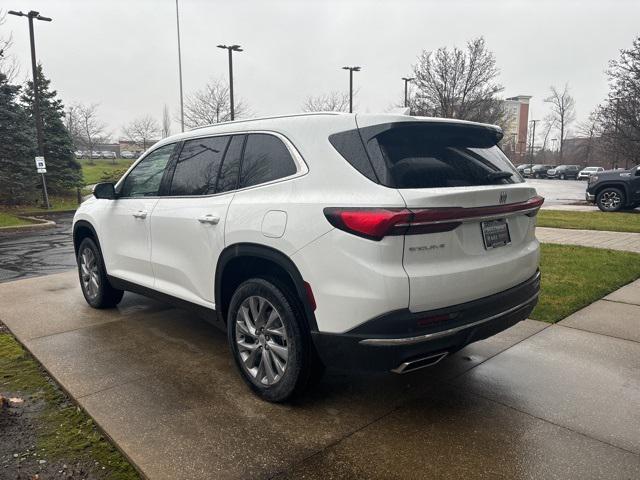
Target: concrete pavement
(536,401)
(628,242)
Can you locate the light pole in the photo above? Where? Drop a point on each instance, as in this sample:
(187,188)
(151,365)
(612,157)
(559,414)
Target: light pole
(406,82)
(351,70)
(180,69)
(36,94)
(231,49)
(533,136)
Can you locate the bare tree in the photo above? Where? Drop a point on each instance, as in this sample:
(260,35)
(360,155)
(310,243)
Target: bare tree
(8,63)
(619,114)
(211,105)
(563,111)
(86,127)
(328,102)
(141,130)
(166,122)
(456,83)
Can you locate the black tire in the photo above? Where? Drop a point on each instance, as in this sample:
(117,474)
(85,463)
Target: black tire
(610,199)
(99,294)
(302,365)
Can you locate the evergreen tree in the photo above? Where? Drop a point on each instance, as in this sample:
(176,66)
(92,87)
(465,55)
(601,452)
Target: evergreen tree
(17,148)
(63,170)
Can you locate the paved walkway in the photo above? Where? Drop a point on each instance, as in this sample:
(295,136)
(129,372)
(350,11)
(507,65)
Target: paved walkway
(629,242)
(535,401)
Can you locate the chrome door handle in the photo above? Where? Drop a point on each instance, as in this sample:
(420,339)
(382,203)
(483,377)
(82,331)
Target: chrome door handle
(210,219)
(140,214)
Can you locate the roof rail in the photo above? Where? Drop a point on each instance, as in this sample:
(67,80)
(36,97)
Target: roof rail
(306,114)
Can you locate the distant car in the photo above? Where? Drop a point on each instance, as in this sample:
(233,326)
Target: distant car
(78,154)
(564,171)
(585,173)
(614,190)
(109,155)
(538,171)
(94,154)
(523,167)
(127,154)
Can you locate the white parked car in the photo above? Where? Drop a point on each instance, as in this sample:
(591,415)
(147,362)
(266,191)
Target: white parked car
(127,154)
(381,245)
(587,172)
(108,155)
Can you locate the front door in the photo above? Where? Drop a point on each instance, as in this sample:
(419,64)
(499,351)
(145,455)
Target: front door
(125,239)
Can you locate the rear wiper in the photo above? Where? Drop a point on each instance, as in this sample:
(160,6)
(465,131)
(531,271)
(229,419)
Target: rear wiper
(493,176)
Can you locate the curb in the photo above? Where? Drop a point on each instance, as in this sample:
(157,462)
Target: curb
(40,224)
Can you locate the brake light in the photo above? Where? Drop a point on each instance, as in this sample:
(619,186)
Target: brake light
(377,223)
(372,223)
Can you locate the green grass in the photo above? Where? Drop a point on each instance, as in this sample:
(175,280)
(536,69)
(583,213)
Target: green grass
(64,431)
(8,220)
(574,277)
(102,168)
(611,221)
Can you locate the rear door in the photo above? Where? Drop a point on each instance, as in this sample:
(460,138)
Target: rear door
(187,225)
(472,234)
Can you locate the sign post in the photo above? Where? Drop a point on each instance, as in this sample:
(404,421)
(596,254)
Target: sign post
(41,168)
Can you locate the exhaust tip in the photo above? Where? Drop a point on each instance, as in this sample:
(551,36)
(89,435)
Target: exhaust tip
(418,363)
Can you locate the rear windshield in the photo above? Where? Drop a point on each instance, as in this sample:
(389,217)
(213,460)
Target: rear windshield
(420,155)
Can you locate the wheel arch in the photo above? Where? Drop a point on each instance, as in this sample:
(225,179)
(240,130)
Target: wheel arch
(241,261)
(616,184)
(81,230)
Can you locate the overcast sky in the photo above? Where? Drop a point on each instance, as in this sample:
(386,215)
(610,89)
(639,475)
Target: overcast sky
(123,54)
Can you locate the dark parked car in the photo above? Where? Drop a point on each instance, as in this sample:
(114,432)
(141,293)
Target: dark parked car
(614,190)
(538,171)
(564,171)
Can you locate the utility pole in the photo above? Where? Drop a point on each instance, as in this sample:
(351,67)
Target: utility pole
(180,69)
(533,137)
(36,93)
(231,49)
(406,82)
(351,70)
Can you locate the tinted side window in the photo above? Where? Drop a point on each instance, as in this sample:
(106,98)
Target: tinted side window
(198,165)
(228,178)
(265,159)
(144,179)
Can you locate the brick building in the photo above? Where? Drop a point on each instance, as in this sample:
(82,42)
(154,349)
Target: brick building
(515,132)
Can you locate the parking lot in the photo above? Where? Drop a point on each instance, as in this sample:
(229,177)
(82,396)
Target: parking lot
(535,401)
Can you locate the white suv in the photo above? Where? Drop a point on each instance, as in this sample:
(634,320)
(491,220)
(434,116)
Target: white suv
(369,242)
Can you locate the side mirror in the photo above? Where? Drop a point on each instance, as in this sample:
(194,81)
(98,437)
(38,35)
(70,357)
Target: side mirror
(104,190)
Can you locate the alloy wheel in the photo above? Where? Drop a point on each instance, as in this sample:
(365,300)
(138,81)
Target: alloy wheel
(89,273)
(610,200)
(262,341)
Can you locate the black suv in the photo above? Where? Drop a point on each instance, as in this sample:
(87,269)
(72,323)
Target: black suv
(615,190)
(564,171)
(539,170)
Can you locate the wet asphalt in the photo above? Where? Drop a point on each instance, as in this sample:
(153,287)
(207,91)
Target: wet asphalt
(25,254)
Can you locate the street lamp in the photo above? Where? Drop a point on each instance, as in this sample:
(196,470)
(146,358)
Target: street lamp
(180,69)
(231,49)
(406,82)
(533,136)
(36,94)
(351,70)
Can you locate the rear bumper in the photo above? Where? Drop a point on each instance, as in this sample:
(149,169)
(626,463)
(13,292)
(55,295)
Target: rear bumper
(392,341)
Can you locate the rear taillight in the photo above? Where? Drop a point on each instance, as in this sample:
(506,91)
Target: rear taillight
(377,223)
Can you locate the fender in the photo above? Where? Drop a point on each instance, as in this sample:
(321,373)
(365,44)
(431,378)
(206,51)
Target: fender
(85,224)
(266,253)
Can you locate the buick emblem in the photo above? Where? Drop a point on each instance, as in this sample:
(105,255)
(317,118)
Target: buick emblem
(503,197)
